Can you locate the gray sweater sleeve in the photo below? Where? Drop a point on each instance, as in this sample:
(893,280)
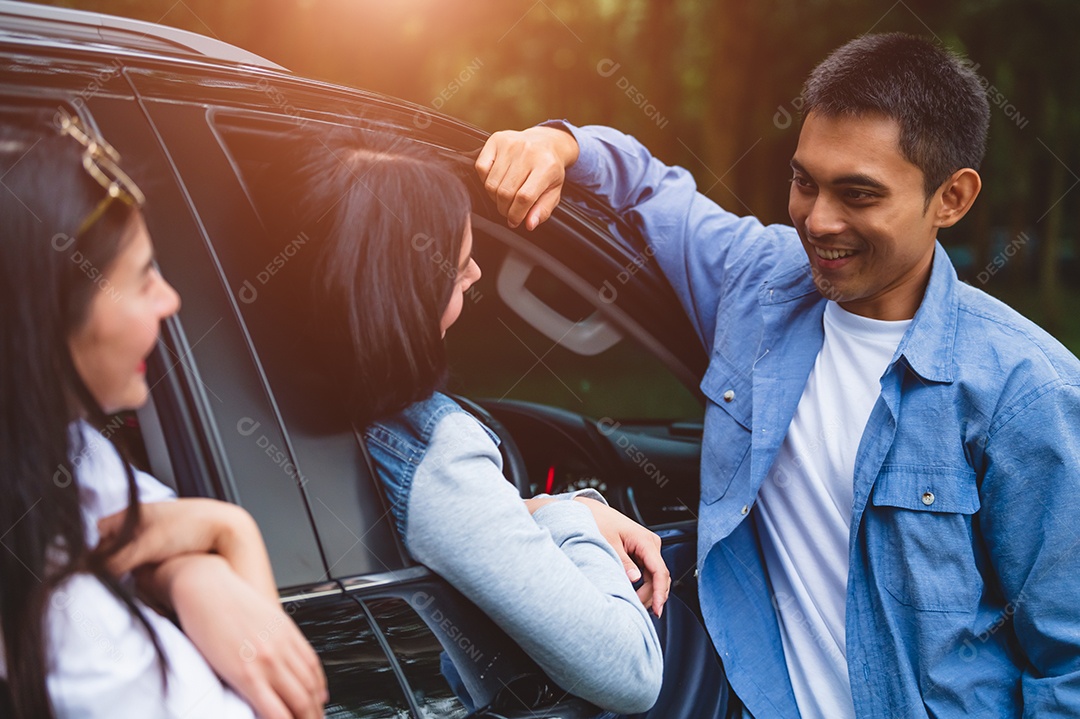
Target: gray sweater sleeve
(550,580)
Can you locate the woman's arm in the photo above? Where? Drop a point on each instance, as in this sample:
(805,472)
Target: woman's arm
(632,543)
(246,637)
(186,526)
(205,561)
(551,581)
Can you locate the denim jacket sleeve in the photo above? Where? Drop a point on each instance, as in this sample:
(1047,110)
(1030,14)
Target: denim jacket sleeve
(1031,493)
(550,580)
(699,245)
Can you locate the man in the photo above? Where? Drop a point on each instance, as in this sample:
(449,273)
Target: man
(890,457)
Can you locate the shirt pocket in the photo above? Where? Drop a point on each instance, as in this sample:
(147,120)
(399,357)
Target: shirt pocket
(920,536)
(726,446)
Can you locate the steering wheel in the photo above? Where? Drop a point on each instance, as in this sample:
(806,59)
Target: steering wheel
(513,463)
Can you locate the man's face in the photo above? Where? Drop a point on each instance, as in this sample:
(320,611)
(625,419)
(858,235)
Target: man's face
(858,205)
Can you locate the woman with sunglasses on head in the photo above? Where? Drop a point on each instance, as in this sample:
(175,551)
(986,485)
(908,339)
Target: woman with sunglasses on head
(80,305)
(393,233)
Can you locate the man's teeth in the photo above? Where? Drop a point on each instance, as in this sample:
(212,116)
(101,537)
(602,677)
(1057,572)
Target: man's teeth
(832,254)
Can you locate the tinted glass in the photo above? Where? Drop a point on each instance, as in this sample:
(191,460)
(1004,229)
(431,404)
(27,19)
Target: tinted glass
(498,352)
(265,269)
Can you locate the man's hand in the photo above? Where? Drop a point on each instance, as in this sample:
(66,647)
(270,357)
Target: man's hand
(636,546)
(247,638)
(524,172)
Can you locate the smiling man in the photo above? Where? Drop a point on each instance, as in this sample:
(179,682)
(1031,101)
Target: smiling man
(891,458)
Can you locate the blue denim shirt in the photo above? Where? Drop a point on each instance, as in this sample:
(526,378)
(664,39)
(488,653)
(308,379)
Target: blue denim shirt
(963,595)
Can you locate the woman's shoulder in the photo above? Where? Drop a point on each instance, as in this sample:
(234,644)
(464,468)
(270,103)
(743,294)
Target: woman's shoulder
(102,481)
(411,432)
(102,477)
(426,414)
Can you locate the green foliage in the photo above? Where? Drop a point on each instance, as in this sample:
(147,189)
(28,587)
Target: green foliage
(709,85)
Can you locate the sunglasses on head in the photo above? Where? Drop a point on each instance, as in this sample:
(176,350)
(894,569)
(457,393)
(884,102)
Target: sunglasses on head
(100,160)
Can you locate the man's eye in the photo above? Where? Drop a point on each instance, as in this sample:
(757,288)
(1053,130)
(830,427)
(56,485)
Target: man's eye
(858,195)
(801,182)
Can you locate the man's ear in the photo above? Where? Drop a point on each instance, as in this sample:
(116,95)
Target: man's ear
(956,196)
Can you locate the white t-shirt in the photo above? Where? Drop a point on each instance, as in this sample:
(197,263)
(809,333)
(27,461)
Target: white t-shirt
(102,661)
(803,510)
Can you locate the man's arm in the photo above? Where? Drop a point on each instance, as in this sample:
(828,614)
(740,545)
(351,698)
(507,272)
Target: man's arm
(700,246)
(1031,497)
(524,172)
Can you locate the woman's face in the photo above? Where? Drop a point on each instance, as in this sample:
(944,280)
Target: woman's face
(121,328)
(468,273)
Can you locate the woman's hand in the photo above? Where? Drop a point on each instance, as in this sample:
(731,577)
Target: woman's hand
(206,561)
(248,639)
(631,542)
(636,547)
(170,529)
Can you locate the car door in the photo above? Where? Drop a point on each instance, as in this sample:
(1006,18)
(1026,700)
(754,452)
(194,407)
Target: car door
(580,349)
(647,442)
(391,608)
(225,420)
(213,429)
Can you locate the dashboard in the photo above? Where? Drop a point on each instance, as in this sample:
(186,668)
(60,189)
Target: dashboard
(648,471)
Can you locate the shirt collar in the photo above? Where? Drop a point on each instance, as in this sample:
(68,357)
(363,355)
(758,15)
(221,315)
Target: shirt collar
(927,346)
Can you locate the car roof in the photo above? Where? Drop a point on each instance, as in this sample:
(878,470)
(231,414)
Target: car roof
(79,29)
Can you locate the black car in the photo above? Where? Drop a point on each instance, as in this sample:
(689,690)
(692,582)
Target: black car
(573,348)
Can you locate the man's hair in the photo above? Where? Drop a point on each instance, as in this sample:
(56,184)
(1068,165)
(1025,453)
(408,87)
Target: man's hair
(933,94)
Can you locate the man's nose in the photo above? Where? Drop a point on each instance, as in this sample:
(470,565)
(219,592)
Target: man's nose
(825,218)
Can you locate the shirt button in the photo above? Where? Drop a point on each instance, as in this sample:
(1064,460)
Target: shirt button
(729,395)
(745,509)
(928,498)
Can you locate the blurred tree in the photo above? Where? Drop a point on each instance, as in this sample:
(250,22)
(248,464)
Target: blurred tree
(709,84)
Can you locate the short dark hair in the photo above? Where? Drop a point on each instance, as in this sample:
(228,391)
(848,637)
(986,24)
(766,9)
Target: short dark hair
(934,95)
(387,217)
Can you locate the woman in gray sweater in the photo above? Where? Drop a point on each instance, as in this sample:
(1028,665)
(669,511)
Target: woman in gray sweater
(393,265)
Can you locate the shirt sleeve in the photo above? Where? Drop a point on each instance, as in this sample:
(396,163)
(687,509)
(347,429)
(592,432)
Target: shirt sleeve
(550,580)
(1031,496)
(589,493)
(698,244)
(103,488)
(103,665)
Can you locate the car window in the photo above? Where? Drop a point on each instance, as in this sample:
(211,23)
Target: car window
(535,330)
(526,332)
(292,424)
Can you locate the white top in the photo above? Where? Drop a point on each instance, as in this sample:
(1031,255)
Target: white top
(102,661)
(803,510)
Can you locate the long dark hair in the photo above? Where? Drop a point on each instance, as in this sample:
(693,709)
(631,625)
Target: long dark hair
(48,278)
(387,217)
